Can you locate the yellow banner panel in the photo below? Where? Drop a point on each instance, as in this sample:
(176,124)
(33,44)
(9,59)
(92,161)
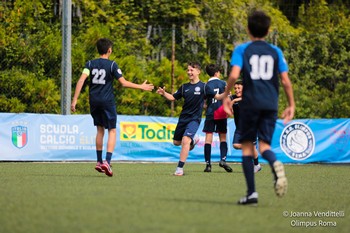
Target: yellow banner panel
(146,131)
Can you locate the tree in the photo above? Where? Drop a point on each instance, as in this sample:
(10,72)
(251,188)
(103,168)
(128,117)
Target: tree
(319,58)
(316,48)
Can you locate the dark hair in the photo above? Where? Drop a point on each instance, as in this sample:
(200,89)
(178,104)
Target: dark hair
(103,45)
(211,69)
(239,82)
(195,65)
(259,24)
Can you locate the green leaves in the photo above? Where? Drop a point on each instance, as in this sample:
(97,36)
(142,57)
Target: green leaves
(26,92)
(317,49)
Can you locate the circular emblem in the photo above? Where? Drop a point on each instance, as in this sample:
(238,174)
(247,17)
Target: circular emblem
(197,89)
(297,141)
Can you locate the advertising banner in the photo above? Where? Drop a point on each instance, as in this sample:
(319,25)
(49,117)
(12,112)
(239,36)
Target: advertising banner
(48,137)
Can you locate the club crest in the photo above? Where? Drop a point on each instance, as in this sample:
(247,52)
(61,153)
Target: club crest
(297,141)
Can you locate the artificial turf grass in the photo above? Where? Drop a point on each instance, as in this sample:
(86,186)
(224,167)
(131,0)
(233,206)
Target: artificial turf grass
(145,197)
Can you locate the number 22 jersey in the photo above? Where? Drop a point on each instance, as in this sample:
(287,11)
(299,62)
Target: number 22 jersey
(102,73)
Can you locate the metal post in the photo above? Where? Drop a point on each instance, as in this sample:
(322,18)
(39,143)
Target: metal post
(172,67)
(274,37)
(66,79)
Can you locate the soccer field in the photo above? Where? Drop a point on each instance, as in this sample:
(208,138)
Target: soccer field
(145,197)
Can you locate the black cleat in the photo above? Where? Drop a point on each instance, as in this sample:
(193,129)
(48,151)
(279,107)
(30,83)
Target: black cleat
(194,143)
(223,164)
(252,199)
(207,168)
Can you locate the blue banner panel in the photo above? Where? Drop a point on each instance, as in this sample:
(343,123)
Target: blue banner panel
(46,137)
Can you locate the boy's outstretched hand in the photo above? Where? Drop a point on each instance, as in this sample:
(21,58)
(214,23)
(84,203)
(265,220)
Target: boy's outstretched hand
(161,90)
(147,86)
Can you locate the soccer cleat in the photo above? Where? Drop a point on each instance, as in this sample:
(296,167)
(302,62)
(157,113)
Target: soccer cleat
(252,199)
(224,165)
(207,168)
(107,169)
(195,141)
(99,168)
(257,168)
(179,171)
(280,183)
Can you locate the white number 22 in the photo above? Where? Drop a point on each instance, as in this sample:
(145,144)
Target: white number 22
(99,76)
(262,67)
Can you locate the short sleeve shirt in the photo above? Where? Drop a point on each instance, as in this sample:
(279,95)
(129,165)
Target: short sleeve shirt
(194,95)
(102,73)
(217,86)
(261,63)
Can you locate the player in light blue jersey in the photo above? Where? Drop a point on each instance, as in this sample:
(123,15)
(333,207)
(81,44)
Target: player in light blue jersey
(102,73)
(261,64)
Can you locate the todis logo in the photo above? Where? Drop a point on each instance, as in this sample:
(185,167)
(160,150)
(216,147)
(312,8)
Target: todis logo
(129,131)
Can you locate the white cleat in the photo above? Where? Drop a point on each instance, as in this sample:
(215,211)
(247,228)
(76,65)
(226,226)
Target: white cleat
(281,183)
(257,168)
(179,171)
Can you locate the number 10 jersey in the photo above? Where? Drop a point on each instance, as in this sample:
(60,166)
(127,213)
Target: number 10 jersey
(260,63)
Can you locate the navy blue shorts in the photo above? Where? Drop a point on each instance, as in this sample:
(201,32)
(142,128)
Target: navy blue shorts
(257,123)
(237,138)
(104,115)
(188,129)
(217,126)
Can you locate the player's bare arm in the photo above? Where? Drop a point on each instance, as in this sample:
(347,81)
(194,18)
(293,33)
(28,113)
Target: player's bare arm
(222,95)
(168,96)
(144,86)
(234,75)
(227,104)
(236,100)
(78,88)
(288,113)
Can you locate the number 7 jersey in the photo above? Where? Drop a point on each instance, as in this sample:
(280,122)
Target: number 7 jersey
(260,63)
(102,73)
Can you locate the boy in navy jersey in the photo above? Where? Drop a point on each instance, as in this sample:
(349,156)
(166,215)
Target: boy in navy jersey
(235,103)
(194,94)
(216,119)
(102,72)
(261,65)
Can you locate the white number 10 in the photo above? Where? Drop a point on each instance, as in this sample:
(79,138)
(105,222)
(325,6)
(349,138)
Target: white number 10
(262,67)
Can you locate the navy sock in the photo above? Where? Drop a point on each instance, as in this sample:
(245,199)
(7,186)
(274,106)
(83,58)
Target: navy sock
(223,150)
(269,156)
(109,157)
(99,156)
(248,169)
(256,161)
(207,153)
(181,164)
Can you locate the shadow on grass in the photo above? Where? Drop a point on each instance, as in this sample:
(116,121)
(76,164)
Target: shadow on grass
(232,203)
(222,171)
(187,200)
(68,175)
